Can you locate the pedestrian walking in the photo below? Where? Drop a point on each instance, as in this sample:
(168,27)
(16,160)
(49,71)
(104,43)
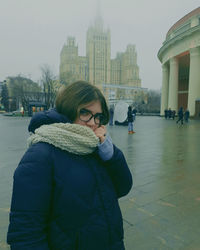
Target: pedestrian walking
(130,120)
(173,114)
(67,184)
(169,113)
(180,115)
(166,113)
(187,115)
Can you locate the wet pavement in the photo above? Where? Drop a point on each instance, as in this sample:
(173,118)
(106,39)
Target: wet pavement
(162,211)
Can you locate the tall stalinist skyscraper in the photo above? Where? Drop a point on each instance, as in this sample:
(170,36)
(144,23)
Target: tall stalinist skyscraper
(97,67)
(98,52)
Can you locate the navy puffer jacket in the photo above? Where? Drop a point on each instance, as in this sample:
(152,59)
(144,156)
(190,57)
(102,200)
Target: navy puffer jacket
(63,201)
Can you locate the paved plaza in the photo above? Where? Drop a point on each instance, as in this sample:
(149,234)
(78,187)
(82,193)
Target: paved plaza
(162,211)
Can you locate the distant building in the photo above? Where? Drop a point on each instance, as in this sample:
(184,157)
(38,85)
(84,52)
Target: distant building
(1,84)
(98,51)
(124,68)
(117,92)
(97,66)
(72,66)
(180,58)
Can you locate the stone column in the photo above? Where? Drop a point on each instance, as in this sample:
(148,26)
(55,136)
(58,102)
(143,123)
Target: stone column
(173,84)
(165,89)
(194,80)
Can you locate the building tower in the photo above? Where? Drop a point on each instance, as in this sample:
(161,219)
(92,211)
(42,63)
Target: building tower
(68,61)
(98,46)
(130,69)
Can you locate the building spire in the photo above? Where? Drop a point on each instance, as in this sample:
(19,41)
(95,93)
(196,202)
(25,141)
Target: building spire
(98,19)
(98,10)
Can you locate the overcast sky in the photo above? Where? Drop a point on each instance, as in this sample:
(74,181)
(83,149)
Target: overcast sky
(33,32)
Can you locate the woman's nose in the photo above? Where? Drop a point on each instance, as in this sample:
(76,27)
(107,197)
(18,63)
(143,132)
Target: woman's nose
(91,122)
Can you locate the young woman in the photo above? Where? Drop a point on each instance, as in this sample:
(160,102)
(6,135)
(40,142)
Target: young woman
(66,186)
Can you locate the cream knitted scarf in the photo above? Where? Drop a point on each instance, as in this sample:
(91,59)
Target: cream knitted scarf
(73,138)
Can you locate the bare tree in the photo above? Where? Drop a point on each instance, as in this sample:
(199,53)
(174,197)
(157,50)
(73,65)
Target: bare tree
(148,102)
(48,82)
(153,102)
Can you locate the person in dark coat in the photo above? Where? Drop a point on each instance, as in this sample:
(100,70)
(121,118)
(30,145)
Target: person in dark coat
(166,113)
(187,115)
(130,120)
(169,113)
(67,185)
(180,115)
(173,114)
(134,111)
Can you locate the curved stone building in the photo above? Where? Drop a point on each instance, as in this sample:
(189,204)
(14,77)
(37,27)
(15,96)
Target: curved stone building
(180,58)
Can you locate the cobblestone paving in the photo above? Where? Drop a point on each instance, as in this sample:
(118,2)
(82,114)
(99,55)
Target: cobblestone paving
(162,211)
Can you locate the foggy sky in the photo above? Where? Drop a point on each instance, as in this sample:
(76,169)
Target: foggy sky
(32,33)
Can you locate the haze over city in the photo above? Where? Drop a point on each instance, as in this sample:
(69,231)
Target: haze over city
(34,32)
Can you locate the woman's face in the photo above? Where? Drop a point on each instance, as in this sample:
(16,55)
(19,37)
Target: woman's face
(92,110)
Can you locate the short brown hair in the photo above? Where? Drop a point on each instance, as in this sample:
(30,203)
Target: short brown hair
(79,93)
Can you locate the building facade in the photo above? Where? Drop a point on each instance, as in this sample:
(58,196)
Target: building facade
(98,52)
(180,58)
(72,66)
(97,66)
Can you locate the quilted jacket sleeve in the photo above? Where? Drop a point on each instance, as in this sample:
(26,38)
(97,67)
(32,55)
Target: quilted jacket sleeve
(119,173)
(31,200)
